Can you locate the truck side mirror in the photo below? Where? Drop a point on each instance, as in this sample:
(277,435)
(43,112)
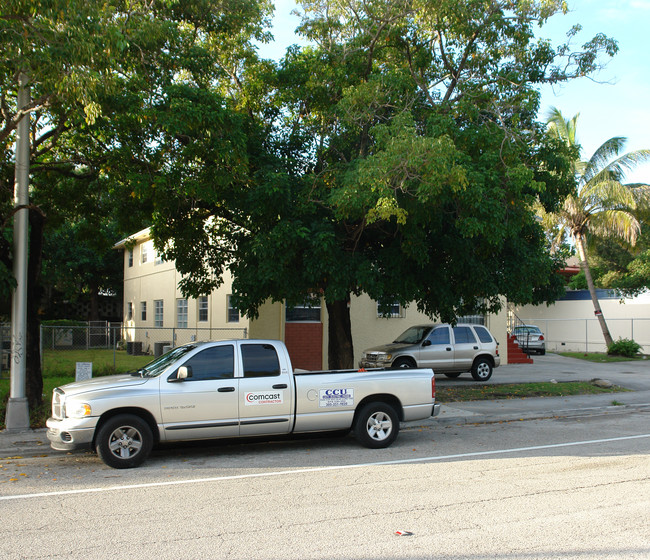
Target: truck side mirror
(427,342)
(184,372)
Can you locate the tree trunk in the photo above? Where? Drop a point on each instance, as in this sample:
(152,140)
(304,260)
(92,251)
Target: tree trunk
(94,304)
(33,373)
(340,353)
(580,244)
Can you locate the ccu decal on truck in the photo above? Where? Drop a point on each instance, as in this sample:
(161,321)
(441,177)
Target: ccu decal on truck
(328,398)
(259,397)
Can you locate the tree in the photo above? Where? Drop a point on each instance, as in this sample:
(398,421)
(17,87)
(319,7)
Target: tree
(602,204)
(399,156)
(94,68)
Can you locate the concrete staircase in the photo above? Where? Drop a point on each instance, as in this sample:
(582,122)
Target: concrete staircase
(515,354)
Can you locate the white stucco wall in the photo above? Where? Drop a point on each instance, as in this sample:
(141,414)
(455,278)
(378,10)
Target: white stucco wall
(572,326)
(369,330)
(151,281)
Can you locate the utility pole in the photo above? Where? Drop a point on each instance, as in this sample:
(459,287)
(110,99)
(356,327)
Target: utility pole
(17,417)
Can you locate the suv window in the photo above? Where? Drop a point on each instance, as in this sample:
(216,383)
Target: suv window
(483,335)
(464,335)
(260,360)
(439,336)
(213,363)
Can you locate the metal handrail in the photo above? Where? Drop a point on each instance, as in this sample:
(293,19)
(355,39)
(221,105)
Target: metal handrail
(513,320)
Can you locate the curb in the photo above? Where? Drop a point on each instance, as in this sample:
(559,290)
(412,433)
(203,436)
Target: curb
(462,420)
(34,443)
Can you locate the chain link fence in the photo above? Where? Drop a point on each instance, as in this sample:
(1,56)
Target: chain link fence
(585,335)
(111,344)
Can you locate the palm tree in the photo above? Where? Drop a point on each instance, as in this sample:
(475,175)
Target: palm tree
(602,204)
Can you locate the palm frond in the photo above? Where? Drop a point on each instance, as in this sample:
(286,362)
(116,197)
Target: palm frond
(608,194)
(562,128)
(619,223)
(602,157)
(641,193)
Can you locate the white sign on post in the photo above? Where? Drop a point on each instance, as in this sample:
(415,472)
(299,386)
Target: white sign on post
(84,371)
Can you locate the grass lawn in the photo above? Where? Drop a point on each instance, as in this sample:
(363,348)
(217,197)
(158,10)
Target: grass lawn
(59,363)
(599,357)
(59,368)
(520,390)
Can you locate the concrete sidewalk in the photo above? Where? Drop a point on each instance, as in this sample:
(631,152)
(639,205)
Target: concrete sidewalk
(634,376)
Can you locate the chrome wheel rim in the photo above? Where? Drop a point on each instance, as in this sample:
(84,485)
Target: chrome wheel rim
(125,442)
(379,426)
(483,370)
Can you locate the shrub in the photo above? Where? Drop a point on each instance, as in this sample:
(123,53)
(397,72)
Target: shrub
(624,347)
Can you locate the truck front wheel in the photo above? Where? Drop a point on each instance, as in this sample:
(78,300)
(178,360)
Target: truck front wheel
(124,442)
(376,425)
(403,363)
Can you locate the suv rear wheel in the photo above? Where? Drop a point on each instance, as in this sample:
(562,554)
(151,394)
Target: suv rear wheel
(481,369)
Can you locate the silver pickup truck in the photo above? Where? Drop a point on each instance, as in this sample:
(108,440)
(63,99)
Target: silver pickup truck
(208,390)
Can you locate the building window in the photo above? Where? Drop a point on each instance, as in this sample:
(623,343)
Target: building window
(157,258)
(158,313)
(233,312)
(144,252)
(203,309)
(129,311)
(181,313)
(130,258)
(143,310)
(309,312)
(391,310)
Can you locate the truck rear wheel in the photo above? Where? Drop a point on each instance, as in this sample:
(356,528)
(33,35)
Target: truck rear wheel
(124,442)
(376,425)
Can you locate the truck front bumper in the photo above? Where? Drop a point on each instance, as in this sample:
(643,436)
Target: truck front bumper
(70,433)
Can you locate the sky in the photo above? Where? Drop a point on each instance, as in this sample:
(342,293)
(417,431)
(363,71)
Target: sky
(615,102)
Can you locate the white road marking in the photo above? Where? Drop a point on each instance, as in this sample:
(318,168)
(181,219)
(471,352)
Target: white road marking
(321,469)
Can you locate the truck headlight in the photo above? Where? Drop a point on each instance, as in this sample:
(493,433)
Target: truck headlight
(77,410)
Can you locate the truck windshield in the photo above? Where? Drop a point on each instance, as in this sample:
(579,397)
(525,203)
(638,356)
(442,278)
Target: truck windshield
(155,368)
(414,335)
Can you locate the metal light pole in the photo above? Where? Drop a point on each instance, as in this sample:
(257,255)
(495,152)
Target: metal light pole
(17,417)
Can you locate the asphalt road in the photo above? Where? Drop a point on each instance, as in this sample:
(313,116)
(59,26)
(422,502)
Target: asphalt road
(567,488)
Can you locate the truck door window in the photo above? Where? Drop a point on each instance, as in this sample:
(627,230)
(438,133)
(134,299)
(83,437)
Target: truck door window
(439,336)
(260,360)
(217,362)
(464,335)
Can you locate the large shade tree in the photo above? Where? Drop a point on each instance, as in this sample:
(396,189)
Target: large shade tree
(93,69)
(602,205)
(398,155)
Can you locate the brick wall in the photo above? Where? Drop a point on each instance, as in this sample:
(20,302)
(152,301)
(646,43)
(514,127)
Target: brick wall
(305,344)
